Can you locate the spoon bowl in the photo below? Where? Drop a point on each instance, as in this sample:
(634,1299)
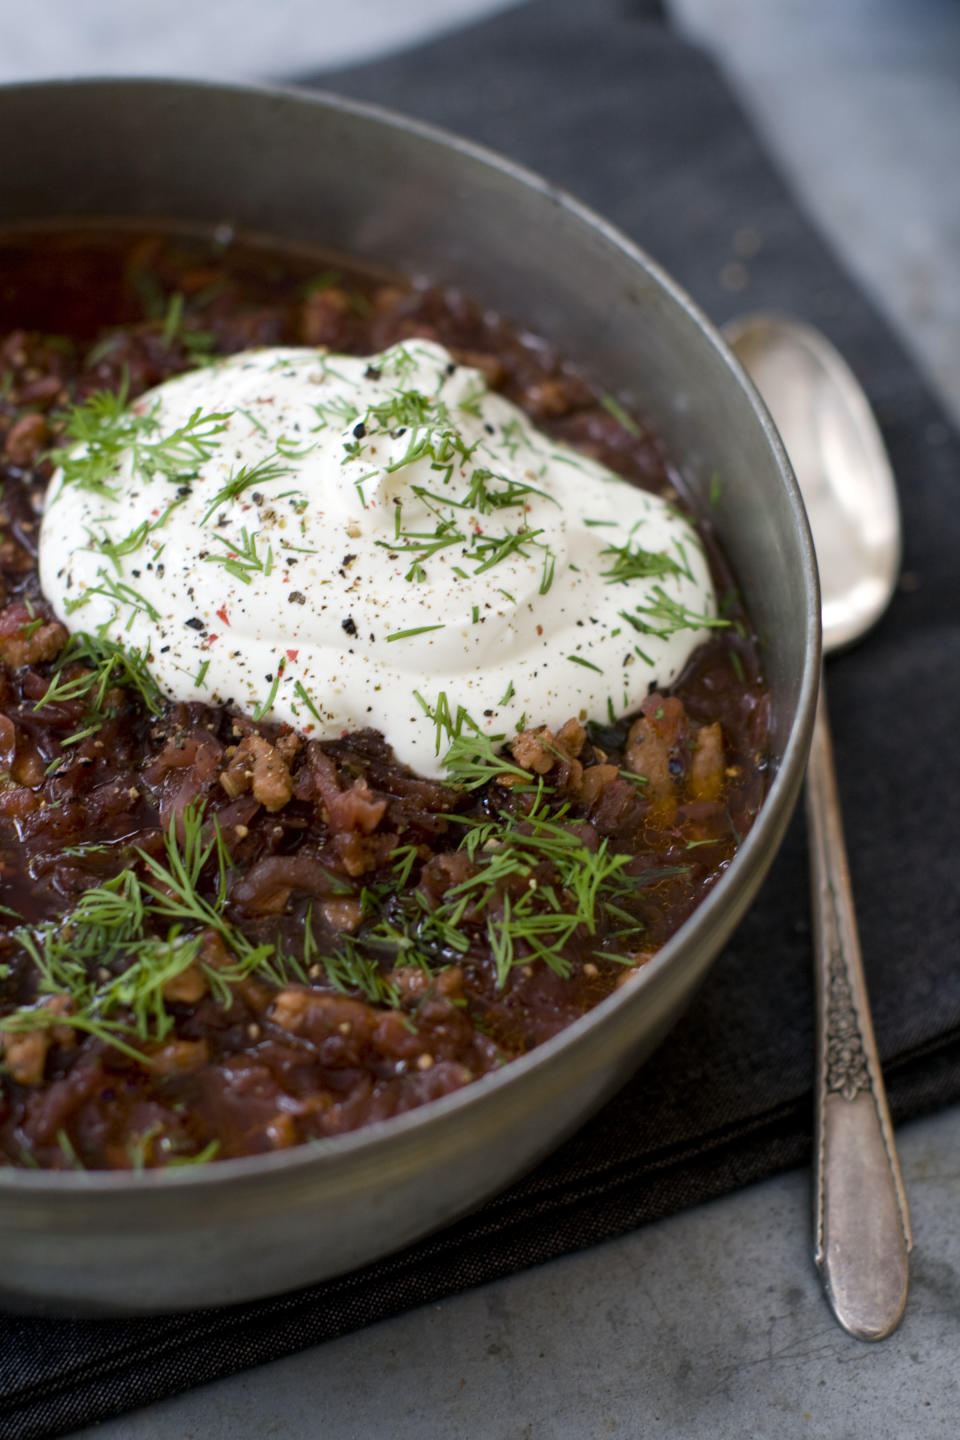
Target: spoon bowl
(837,453)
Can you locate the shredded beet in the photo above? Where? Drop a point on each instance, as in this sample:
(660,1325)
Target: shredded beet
(220,938)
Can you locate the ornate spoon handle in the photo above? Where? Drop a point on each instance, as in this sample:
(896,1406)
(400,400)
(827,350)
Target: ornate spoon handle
(863,1235)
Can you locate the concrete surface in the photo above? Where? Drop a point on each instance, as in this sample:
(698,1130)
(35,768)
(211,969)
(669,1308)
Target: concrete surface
(213,39)
(860,102)
(707,1326)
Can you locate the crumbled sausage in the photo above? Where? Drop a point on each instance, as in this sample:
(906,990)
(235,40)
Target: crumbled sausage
(547,400)
(25,1055)
(25,439)
(258,766)
(179,1056)
(535,750)
(596,779)
(648,755)
(571,738)
(541,751)
(25,642)
(707,767)
(343,913)
(490,366)
(186,988)
(289,746)
(281,1131)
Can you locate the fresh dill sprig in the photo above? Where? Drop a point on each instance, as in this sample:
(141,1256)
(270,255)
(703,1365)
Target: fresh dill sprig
(241,559)
(120,593)
(106,665)
(303,694)
(491,549)
(116,549)
(104,428)
(473,760)
(338,411)
(449,725)
(126,939)
(266,705)
(173,319)
(631,563)
(348,967)
(244,479)
(423,545)
(415,630)
(663,616)
(623,419)
(202,1157)
(536,887)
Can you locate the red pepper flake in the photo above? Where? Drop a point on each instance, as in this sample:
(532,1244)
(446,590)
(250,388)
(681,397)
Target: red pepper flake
(222,615)
(292,655)
(211,638)
(539,628)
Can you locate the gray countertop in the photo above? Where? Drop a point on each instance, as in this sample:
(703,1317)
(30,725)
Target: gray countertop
(710,1323)
(707,1326)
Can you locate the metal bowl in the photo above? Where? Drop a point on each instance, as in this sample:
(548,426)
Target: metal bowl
(350,178)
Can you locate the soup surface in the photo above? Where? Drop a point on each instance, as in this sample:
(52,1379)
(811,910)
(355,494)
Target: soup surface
(222,935)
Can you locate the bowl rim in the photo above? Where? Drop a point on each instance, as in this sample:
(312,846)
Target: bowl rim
(52,1186)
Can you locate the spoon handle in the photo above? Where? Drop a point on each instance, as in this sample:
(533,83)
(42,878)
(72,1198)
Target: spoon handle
(862,1225)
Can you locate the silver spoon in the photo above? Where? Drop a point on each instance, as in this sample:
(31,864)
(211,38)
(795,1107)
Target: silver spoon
(862,1227)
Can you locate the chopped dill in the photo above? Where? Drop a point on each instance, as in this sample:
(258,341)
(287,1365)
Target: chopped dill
(244,478)
(173,318)
(103,429)
(107,665)
(266,705)
(416,630)
(241,559)
(637,564)
(664,616)
(121,594)
(627,422)
(302,694)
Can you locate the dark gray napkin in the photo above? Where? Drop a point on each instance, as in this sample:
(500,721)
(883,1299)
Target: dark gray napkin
(605,100)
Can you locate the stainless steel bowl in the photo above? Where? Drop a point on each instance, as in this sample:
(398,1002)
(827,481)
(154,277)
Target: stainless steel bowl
(351,178)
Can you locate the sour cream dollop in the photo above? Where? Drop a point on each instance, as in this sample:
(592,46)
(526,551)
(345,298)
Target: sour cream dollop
(356,542)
